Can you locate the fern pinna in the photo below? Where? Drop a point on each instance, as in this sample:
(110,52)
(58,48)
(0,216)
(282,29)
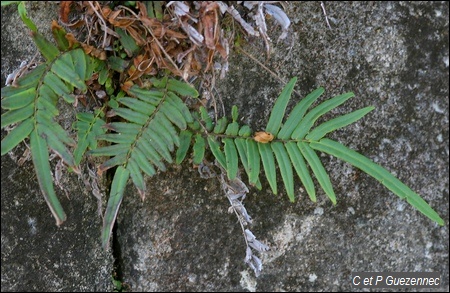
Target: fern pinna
(31,104)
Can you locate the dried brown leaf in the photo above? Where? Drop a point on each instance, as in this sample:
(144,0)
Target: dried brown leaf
(209,20)
(91,50)
(137,37)
(64,10)
(263,136)
(71,39)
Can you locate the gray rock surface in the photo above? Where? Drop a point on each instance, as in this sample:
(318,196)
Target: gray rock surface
(392,55)
(36,255)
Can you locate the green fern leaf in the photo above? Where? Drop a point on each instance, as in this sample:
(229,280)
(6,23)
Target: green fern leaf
(277,114)
(41,162)
(242,148)
(124,127)
(47,49)
(206,119)
(83,64)
(145,165)
(144,141)
(254,161)
(170,130)
(136,175)
(44,119)
(232,129)
(137,105)
(381,174)
(285,168)
(318,169)
(18,134)
(174,115)
(245,131)
(221,125)
(199,149)
(160,146)
(17,115)
(127,42)
(25,82)
(47,105)
(308,121)
(269,165)
(182,88)
(150,96)
(123,138)
(32,105)
(111,150)
(160,127)
(24,16)
(297,114)
(151,154)
(336,123)
(177,103)
(115,199)
(185,141)
(234,113)
(19,100)
(300,167)
(130,115)
(118,160)
(56,144)
(231,157)
(59,87)
(88,126)
(64,68)
(214,146)
(59,35)
(295,143)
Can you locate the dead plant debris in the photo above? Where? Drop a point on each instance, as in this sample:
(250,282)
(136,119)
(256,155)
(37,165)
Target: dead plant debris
(187,39)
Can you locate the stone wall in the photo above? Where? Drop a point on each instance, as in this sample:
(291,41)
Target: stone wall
(392,55)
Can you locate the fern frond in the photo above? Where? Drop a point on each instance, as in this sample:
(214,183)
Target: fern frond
(31,104)
(293,145)
(153,120)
